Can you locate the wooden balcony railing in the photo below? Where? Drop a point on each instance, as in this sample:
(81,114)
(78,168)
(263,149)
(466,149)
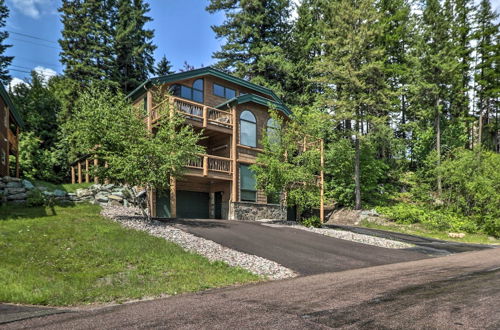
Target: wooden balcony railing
(195,111)
(211,163)
(12,139)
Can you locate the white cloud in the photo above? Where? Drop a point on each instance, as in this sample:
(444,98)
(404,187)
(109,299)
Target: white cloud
(46,73)
(16,81)
(34,8)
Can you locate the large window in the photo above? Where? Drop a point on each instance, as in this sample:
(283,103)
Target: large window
(248,184)
(194,93)
(273,131)
(248,129)
(224,92)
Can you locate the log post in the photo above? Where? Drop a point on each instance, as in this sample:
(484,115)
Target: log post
(106,181)
(17,152)
(87,169)
(96,164)
(173,197)
(205,116)
(205,165)
(234,142)
(79,172)
(322,183)
(73,180)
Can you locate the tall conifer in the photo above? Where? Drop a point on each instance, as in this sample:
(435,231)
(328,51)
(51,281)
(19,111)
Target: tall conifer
(5,61)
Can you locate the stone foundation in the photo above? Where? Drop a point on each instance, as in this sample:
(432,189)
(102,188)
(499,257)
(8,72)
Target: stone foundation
(254,211)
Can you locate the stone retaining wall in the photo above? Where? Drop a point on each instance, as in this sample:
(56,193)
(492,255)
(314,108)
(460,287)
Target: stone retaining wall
(253,211)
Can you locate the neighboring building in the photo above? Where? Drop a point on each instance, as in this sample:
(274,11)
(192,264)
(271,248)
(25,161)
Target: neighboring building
(233,114)
(10,125)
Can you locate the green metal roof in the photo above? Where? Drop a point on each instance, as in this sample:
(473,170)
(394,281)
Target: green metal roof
(6,98)
(202,72)
(259,100)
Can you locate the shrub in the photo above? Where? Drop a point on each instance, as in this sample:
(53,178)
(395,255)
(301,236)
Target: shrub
(313,221)
(35,198)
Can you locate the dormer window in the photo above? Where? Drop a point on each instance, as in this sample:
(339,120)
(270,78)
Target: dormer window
(194,93)
(225,92)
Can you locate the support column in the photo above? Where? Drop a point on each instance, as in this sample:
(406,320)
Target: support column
(96,164)
(322,183)
(234,156)
(106,181)
(80,172)
(17,152)
(87,169)
(173,197)
(73,179)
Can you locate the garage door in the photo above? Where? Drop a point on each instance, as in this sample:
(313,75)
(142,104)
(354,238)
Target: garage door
(192,204)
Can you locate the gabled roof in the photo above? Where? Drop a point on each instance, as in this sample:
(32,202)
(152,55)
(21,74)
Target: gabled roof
(256,99)
(6,98)
(202,72)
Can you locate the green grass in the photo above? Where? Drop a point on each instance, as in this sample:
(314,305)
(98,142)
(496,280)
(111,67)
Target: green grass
(67,187)
(417,229)
(73,256)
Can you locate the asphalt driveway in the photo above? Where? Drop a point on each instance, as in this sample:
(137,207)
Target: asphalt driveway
(304,252)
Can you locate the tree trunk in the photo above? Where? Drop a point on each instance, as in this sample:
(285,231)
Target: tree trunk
(357,170)
(438,146)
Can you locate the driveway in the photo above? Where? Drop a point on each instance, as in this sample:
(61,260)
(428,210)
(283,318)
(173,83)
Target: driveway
(304,252)
(459,291)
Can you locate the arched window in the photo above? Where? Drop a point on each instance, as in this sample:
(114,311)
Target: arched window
(248,129)
(272,130)
(198,90)
(194,93)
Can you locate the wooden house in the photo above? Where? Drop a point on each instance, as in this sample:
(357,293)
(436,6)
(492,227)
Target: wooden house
(233,114)
(10,125)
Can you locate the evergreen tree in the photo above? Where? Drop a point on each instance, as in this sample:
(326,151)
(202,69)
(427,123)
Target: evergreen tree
(133,44)
(164,67)
(86,41)
(255,32)
(5,61)
(486,72)
(351,70)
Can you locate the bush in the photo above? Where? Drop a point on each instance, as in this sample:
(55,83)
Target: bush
(35,198)
(313,221)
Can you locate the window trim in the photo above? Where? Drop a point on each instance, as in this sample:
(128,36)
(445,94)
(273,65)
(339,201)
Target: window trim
(250,122)
(224,88)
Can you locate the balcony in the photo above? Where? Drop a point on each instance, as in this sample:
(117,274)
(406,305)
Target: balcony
(210,166)
(197,114)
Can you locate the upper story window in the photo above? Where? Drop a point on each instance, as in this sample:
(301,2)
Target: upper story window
(272,131)
(224,92)
(194,93)
(248,129)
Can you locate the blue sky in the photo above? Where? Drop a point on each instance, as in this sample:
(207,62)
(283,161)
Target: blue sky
(182,33)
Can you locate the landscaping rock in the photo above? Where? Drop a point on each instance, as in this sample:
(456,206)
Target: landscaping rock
(42,188)
(108,187)
(27,184)
(14,184)
(2,185)
(456,235)
(115,197)
(8,179)
(101,198)
(14,191)
(83,192)
(17,197)
(59,193)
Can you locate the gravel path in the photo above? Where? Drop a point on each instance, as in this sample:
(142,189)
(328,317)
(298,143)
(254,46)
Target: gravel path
(132,218)
(347,235)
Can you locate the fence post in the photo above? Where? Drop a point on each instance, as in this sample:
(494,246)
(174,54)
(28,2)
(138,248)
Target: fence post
(205,165)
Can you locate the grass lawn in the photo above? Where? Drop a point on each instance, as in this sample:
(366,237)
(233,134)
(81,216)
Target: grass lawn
(67,187)
(72,256)
(416,229)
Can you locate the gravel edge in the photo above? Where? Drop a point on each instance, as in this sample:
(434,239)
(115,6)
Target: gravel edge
(131,218)
(346,235)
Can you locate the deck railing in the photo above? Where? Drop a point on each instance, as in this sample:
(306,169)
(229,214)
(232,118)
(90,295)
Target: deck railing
(195,111)
(211,163)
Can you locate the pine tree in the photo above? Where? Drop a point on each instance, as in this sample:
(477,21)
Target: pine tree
(351,70)
(255,32)
(133,44)
(5,61)
(486,71)
(164,67)
(86,41)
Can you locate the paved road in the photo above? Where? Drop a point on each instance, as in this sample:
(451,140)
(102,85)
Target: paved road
(304,252)
(459,291)
(446,247)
